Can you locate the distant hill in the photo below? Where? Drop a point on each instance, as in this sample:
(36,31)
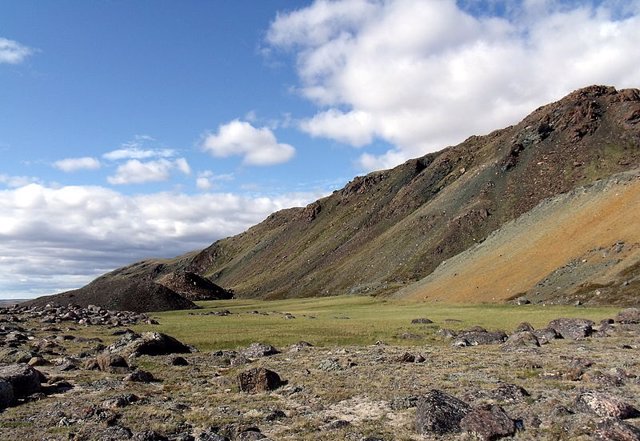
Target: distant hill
(389,229)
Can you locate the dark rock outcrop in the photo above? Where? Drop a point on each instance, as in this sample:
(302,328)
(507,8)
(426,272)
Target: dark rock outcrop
(439,413)
(259,380)
(120,294)
(193,287)
(488,422)
(572,328)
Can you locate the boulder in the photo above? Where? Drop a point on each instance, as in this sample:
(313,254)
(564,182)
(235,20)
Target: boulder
(140,376)
(572,328)
(259,380)
(6,394)
(439,413)
(628,316)
(488,422)
(509,393)
(521,340)
(156,343)
(545,335)
(613,429)
(524,326)
(479,337)
(149,435)
(421,321)
(259,350)
(24,379)
(112,363)
(179,361)
(605,405)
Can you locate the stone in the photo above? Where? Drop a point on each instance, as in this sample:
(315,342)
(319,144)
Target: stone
(259,380)
(509,393)
(250,435)
(140,376)
(545,335)
(24,379)
(329,364)
(613,429)
(572,328)
(259,350)
(421,321)
(6,394)
(479,337)
(407,358)
(115,433)
(488,422)
(156,343)
(521,340)
(149,435)
(439,413)
(447,333)
(112,363)
(605,405)
(179,361)
(628,316)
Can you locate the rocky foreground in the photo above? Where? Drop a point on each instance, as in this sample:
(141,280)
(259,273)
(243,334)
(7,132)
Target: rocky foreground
(81,374)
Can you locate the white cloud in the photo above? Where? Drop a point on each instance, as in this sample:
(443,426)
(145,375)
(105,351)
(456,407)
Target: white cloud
(12,52)
(257,146)
(138,172)
(75,164)
(422,75)
(134,152)
(18,181)
(206,180)
(104,229)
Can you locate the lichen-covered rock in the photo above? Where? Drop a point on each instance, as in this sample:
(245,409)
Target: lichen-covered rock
(149,343)
(479,337)
(545,335)
(509,393)
(628,316)
(572,328)
(488,422)
(521,340)
(605,405)
(259,380)
(111,363)
(259,350)
(439,413)
(613,429)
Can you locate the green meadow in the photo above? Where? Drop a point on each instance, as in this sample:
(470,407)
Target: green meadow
(348,320)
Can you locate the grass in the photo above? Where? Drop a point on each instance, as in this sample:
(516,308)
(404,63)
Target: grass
(346,320)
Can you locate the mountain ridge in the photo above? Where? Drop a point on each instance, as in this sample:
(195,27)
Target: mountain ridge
(391,228)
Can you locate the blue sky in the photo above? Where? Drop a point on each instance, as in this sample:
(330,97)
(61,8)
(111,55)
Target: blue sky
(150,128)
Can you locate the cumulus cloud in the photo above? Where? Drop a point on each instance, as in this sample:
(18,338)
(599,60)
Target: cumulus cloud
(138,172)
(104,229)
(206,180)
(422,75)
(12,52)
(17,181)
(75,164)
(257,146)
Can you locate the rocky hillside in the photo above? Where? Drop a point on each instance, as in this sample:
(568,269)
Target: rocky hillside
(391,228)
(579,247)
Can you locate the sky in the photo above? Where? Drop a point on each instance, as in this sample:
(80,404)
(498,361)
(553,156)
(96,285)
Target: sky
(131,130)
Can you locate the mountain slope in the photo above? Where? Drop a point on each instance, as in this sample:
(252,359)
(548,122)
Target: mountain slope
(569,248)
(395,226)
(391,228)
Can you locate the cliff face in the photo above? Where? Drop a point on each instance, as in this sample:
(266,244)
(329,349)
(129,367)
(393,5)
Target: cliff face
(388,229)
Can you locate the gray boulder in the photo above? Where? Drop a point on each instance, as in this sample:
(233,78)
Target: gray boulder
(572,328)
(628,316)
(24,379)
